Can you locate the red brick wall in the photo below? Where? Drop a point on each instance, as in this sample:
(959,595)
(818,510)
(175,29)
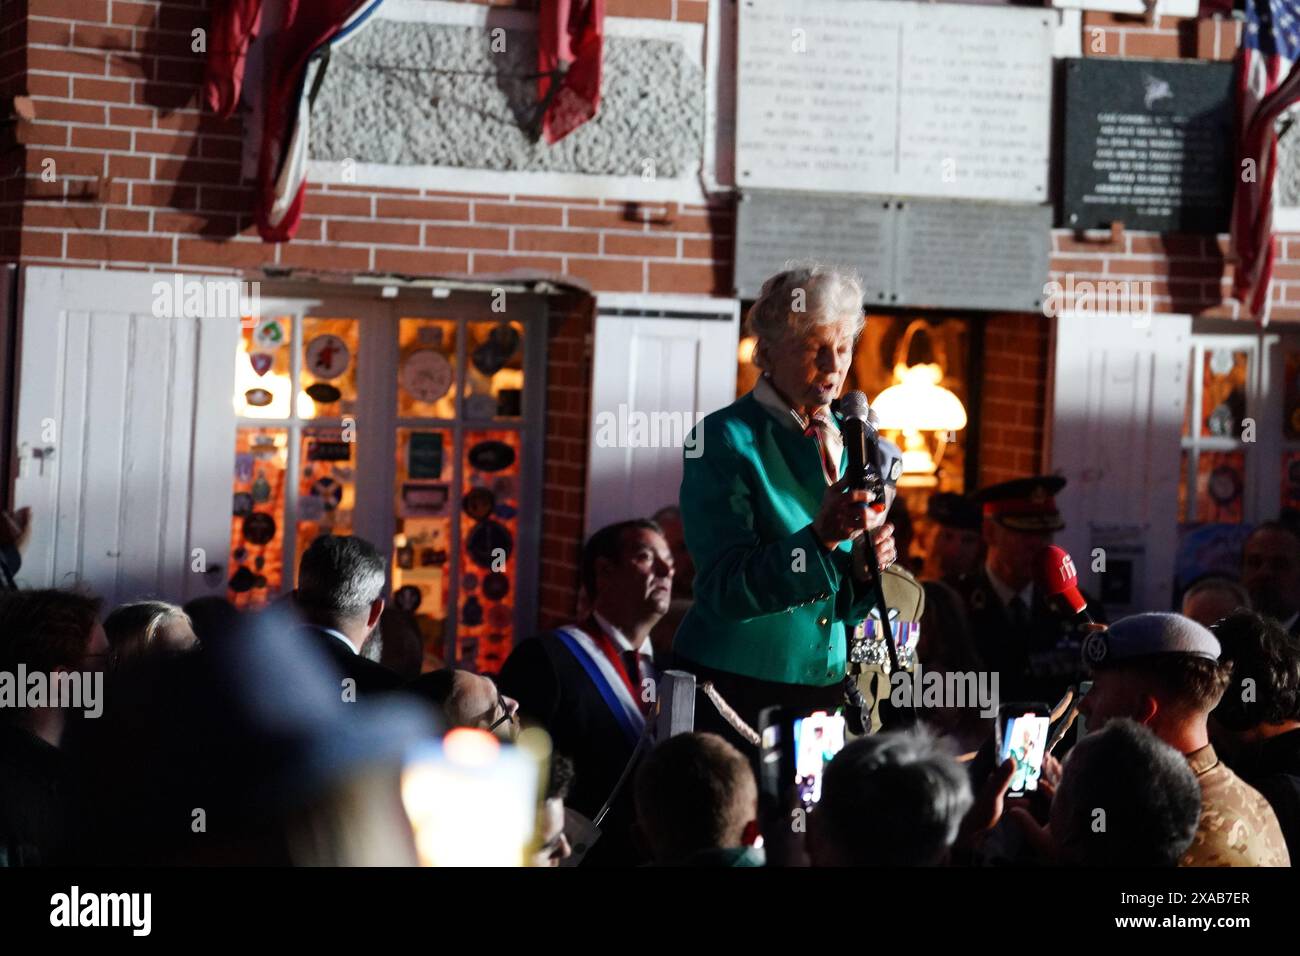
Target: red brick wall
(568,409)
(1013,405)
(13,82)
(146,179)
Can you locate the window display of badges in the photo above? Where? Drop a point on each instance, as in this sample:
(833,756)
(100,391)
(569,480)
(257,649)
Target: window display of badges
(491,456)
(479,407)
(259,528)
(488,541)
(499,616)
(328,491)
(328,356)
(426,375)
(496,586)
(269,335)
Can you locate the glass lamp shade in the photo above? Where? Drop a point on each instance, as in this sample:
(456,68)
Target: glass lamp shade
(919,403)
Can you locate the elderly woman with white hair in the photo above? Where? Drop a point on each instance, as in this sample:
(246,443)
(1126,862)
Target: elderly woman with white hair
(769,521)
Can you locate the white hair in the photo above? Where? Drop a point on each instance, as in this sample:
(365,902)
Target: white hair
(794,301)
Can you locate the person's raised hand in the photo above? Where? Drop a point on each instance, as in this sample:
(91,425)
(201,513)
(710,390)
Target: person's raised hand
(886,548)
(842,515)
(989,804)
(15,527)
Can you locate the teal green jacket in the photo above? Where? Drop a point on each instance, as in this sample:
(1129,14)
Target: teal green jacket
(770,601)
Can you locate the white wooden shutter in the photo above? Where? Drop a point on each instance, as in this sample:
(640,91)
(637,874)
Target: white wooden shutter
(1120,385)
(125,437)
(663,355)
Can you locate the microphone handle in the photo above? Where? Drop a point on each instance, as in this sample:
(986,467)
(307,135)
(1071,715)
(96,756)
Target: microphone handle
(890,716)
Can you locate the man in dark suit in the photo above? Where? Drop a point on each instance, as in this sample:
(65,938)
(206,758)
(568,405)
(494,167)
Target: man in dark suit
(591,685)
(1032,642)
(340,592)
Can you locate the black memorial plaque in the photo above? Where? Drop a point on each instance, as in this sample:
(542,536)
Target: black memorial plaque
(1148,143)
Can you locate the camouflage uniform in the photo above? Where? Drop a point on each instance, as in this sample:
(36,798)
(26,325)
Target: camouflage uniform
(1238,827)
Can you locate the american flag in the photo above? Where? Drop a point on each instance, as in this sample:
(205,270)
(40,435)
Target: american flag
(1267,85)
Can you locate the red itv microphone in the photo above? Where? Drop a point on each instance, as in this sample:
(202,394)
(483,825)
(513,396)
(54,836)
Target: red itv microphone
(1057,576)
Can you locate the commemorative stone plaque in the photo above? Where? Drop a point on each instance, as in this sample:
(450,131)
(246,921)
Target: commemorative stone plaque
(959,255)
(886,97)
(775,231)
(1148,143)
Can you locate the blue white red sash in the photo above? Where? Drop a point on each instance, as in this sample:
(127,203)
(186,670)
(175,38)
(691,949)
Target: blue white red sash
(608,683)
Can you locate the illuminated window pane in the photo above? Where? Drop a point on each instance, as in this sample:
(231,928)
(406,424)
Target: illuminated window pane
(1220,480)
(329,368)
(257,520)
(1291,408)
(262,369)
(426,368)
(422,564)
(326,486)
(489,529)
(1223,392)
(494,378)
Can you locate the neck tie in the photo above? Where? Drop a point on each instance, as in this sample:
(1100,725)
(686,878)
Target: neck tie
(632,661)
(818,425)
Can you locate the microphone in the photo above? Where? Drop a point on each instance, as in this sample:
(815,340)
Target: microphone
(1057,576)
(860,431)
(862,442)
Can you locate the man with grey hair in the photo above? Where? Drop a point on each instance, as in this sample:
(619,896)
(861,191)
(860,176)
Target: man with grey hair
(891,799)
(1212,598)
(1125,798)
(340,593)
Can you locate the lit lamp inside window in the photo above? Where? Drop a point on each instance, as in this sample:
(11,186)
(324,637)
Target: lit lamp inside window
(925,413)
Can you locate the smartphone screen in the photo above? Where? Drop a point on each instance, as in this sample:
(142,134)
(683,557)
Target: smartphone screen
(818,737)
(1024,737)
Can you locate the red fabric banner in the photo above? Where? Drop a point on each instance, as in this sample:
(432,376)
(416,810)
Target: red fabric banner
(570,39)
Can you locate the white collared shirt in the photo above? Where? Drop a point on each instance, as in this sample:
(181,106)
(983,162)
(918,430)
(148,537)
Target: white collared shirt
(342,637)
(770,399)
(620,639)
(1005,594)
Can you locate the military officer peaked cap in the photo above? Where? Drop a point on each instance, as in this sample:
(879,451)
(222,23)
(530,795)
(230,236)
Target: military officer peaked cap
(1024,504)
